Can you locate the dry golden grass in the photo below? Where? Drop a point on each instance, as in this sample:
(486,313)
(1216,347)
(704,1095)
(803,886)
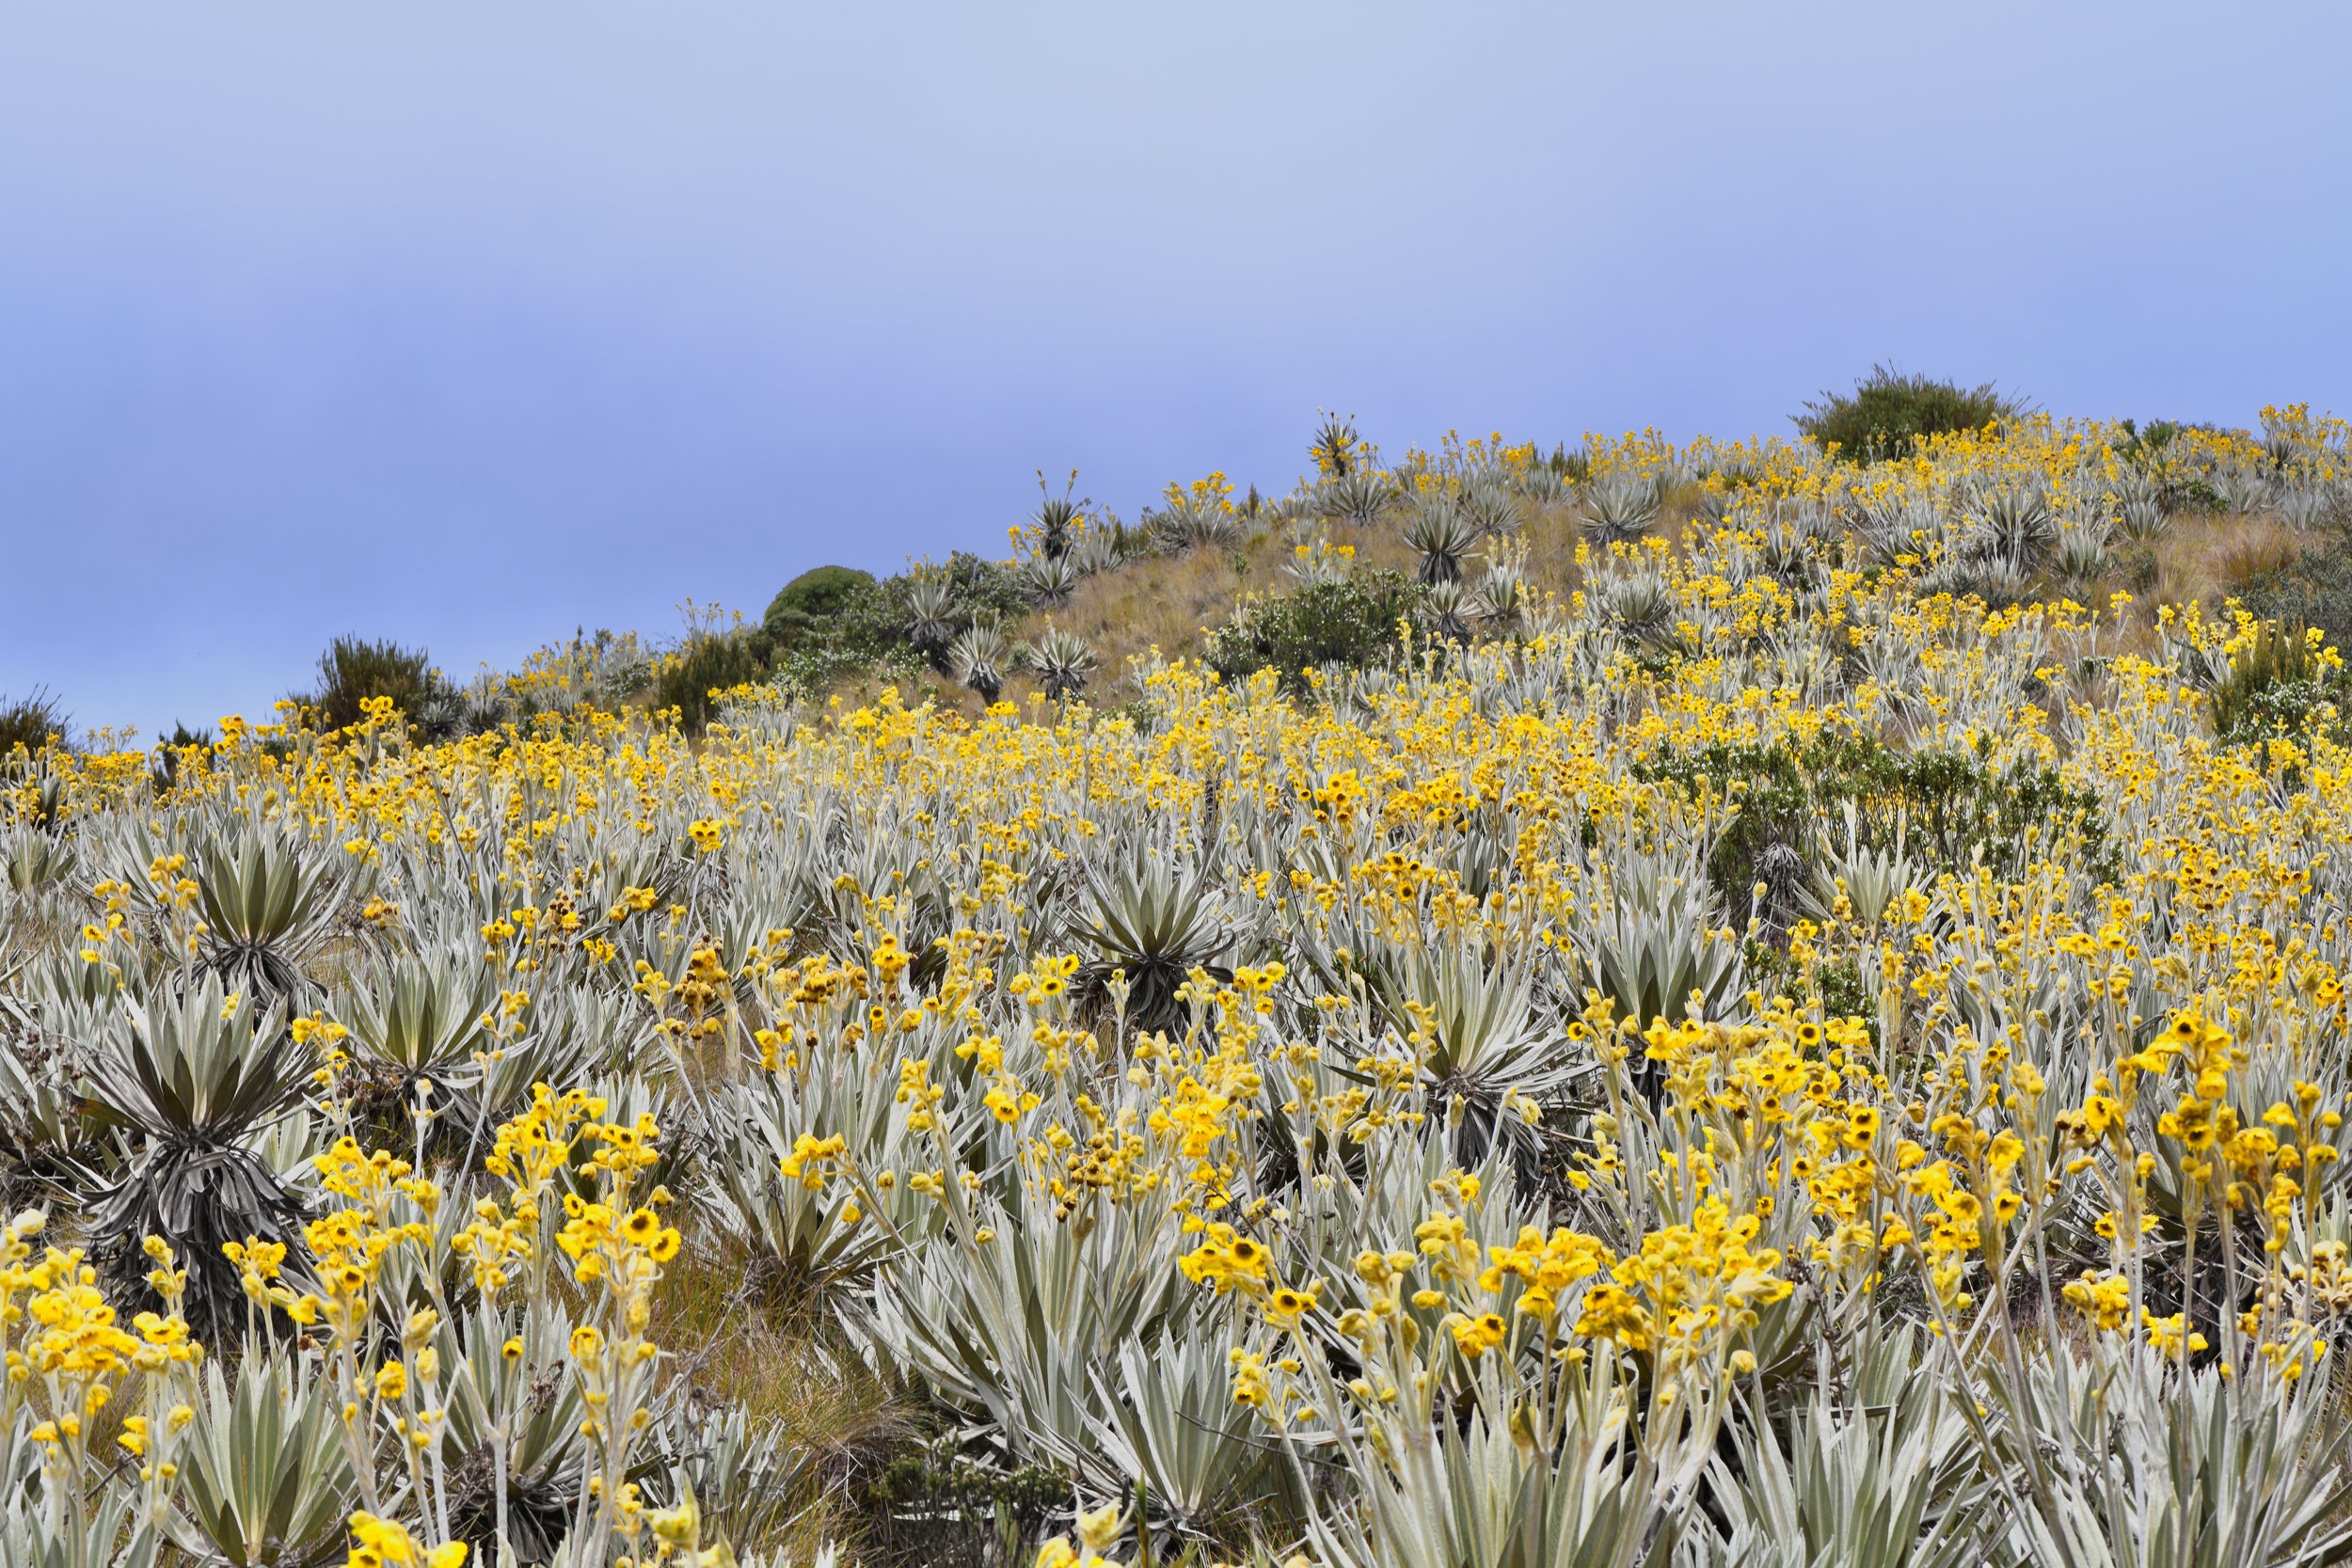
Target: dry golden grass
(2202,560)
(2207,558)
(1166,602)
(1172,602)
(1169,602)
(733,1345)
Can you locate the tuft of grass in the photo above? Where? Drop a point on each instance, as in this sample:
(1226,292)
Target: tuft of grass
(2204,559)
(731,1345)
(2265,554)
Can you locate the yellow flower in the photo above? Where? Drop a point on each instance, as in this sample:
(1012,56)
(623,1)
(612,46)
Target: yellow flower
(385,1544)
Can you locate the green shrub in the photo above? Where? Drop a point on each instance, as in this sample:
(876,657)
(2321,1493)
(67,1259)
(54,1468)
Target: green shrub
(2277,683)
(868,627)
(1887,412)
(2143,443)
(172,750)
(1353,621)
(836,623)
(1839,983)
(803,607)
(714,662)
(986,590)
(353,671)
(864,629)
(29,721)
(1950,804)
(2194,495)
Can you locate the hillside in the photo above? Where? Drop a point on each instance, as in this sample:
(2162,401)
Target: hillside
(1733,1007)
(2195,518)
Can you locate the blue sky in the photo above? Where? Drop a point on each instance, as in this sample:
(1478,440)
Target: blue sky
(467,324)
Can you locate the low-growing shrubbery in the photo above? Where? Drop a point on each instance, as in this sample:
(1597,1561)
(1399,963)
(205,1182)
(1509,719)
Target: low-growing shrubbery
(1353,622)
(2279,682)
(835,625)
(808,607)
(1888,412)
(1937,809)
(694,679)
(355,672)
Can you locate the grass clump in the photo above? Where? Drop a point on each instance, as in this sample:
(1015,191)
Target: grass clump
(32,721)
(799,1383)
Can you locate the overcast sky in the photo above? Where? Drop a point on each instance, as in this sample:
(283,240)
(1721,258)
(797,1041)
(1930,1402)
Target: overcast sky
(468,324)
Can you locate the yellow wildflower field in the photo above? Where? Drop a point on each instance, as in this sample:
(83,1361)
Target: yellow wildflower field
(1773,1024)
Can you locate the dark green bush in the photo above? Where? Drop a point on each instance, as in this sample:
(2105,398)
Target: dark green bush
(1887,412)
(1838,982)
(353,671)
(172,750)
(986,590)
(1952,805)
(938,1505)
(29,721)
(1352,621)
(2141,443)
(802,607)
(833,624)
(2194,495)
(715,661)
(864,629)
